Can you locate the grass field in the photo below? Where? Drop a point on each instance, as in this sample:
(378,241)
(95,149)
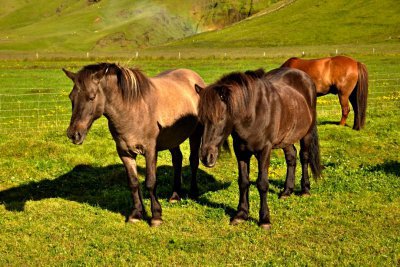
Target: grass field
(62,204)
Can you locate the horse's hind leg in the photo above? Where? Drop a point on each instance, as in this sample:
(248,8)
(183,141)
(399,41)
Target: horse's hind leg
(194,141)
(344,103)
(290,157)
(177,164)
(305,145)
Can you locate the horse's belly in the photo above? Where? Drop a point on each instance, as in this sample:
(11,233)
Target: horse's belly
(175,134)
(294,131)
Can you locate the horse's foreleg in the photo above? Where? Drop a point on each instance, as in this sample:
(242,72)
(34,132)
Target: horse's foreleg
(129,162)
(290,157)
(344,103)
(194,141)
(262,185)
(151,184)
(177,164)
(243,158)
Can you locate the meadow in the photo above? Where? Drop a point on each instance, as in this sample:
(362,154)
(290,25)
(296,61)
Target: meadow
(62,204)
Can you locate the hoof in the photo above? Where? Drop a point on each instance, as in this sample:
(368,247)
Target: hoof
(133,220)
(174,199)
(284,196)
(265,226)
(155,222)
(237,221)
(306,194)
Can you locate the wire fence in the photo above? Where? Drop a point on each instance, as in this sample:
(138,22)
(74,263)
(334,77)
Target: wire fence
(46,109)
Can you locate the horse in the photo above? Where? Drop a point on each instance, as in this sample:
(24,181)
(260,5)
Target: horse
(342,76)
(262,111)
(145,115)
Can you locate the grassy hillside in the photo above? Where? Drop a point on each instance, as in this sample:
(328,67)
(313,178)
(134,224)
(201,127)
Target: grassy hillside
(79,26)
(106,25)
(310,22)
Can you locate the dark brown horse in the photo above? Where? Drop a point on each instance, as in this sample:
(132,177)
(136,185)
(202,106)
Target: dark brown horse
(262,111)
(145,115)
(339,75)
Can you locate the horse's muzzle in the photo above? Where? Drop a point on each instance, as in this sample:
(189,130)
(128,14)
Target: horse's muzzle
(77,137)
(209,157)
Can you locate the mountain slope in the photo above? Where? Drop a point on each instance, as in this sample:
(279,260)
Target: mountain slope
(309,22)
(107,25)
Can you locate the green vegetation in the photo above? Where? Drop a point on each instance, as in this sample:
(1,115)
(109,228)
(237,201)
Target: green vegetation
(62,28)
(62,204)
(109,26)
(309,22)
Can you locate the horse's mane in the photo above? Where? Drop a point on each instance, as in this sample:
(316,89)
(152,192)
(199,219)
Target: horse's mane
(132,83)
(236,90)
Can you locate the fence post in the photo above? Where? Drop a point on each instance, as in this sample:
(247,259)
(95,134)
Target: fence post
(19,115)
(37,114)
(56,112)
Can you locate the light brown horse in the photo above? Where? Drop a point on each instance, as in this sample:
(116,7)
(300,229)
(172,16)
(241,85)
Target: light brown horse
(145,115)
(339,75)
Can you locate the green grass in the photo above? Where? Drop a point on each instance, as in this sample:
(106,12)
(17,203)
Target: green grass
(65,28)
(62,204)
(309,22)
(107,26)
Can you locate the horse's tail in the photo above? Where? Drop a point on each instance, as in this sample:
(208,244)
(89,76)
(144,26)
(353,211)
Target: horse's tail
(315,157)
(358,97)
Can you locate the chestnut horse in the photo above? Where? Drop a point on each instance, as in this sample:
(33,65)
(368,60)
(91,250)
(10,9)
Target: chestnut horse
(145,115)
(262,111)
(339,75)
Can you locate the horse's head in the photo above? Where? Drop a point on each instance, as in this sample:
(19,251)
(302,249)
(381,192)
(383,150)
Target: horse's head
(87,100)
(217,122)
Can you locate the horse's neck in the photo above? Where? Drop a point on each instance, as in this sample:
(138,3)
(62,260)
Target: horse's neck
(120,112)
(245,122)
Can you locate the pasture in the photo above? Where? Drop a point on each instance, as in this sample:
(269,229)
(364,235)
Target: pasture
(62,204)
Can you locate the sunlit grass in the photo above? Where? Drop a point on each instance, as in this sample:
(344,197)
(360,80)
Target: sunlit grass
(62,204)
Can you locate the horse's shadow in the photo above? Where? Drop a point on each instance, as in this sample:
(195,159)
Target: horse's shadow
(389,167)
(104,187)
(231,212)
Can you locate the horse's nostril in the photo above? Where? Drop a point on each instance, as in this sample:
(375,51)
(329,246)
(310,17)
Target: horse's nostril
(77,136)
(210,158)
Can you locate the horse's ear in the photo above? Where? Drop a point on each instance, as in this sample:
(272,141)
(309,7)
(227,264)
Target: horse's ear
(69,74)
(223,93)
(198,88)
(100,74)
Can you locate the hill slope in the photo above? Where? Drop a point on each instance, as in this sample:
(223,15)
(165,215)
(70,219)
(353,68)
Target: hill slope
(309,22)
(106,25)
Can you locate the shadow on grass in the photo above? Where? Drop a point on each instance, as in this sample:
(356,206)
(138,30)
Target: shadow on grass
(328,123)
(333,123)
(275,189)
(104,187)
(389,167)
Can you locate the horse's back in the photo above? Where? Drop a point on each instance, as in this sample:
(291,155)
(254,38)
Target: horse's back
(176,102)
(328,71)
(297,80)
(296,101)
